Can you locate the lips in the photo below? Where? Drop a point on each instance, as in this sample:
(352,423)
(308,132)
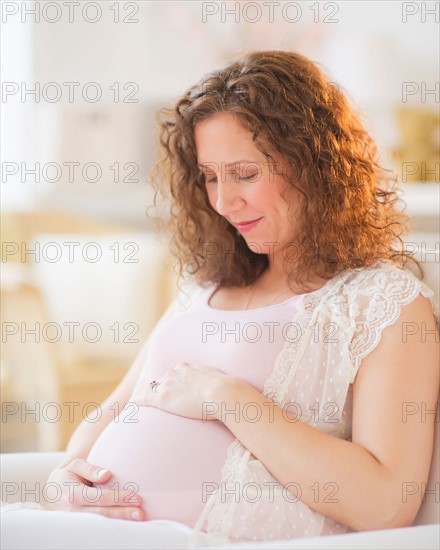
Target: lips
(246,225)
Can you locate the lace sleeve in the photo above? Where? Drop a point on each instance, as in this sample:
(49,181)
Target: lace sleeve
(377,297)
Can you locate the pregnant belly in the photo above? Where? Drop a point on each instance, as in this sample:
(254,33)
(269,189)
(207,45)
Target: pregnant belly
(173,462)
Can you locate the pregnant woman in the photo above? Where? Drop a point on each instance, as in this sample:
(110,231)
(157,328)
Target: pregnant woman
(268,403)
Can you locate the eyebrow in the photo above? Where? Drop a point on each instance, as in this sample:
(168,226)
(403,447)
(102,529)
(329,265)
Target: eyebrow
(202,165)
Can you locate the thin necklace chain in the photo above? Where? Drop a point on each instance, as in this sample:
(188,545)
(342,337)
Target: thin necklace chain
(251,295)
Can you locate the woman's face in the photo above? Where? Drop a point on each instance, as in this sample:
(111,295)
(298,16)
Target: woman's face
(241,184)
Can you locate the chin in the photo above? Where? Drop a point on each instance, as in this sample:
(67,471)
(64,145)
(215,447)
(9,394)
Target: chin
(261,246)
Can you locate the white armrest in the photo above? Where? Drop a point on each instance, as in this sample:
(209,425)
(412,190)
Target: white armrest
(408,538)
(25,474)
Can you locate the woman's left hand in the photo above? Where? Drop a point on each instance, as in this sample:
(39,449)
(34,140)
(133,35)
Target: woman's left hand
(192,391)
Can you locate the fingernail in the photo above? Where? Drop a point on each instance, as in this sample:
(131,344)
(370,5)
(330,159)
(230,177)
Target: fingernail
(101,473)
(136,515)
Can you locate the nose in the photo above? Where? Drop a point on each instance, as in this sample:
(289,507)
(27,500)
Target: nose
(228,197)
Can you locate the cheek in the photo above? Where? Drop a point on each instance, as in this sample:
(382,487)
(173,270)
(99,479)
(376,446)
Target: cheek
(267,197)
(212,195)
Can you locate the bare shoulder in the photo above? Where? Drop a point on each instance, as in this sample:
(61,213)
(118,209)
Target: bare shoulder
(408,348)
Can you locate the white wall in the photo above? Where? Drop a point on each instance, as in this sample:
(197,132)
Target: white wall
(369,50)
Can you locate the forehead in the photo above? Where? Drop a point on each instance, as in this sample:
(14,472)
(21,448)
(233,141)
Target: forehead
(223,135)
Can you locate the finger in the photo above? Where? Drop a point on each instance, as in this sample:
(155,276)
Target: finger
(116,498)
(88,471)
(141,402)
(115,512)
(148,395)
(144,402)
(99,498)
(144,399)
(96,496)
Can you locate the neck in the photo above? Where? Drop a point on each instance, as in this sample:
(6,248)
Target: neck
(275,272)
(276,276)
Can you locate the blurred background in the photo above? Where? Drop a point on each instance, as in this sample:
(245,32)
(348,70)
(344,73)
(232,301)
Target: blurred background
(85,275)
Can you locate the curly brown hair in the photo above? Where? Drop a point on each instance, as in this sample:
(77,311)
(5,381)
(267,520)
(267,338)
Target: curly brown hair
(349,217)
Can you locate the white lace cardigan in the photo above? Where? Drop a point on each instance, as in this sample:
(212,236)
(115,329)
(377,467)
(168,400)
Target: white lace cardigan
(339,325)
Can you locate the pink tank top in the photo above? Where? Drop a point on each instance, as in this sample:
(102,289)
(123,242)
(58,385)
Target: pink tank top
(174,462)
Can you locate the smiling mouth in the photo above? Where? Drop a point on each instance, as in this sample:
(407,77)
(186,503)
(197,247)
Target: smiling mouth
(242,226)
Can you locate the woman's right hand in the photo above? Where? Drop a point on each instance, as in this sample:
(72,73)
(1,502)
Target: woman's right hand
(74,484)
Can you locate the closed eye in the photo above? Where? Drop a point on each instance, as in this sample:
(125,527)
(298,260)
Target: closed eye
(248,177)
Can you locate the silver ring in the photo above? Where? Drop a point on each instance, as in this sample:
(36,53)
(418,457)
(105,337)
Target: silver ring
(153,385)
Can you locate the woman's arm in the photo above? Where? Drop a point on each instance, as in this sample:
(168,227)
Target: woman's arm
(388,449)
(87,432)
(75,473)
